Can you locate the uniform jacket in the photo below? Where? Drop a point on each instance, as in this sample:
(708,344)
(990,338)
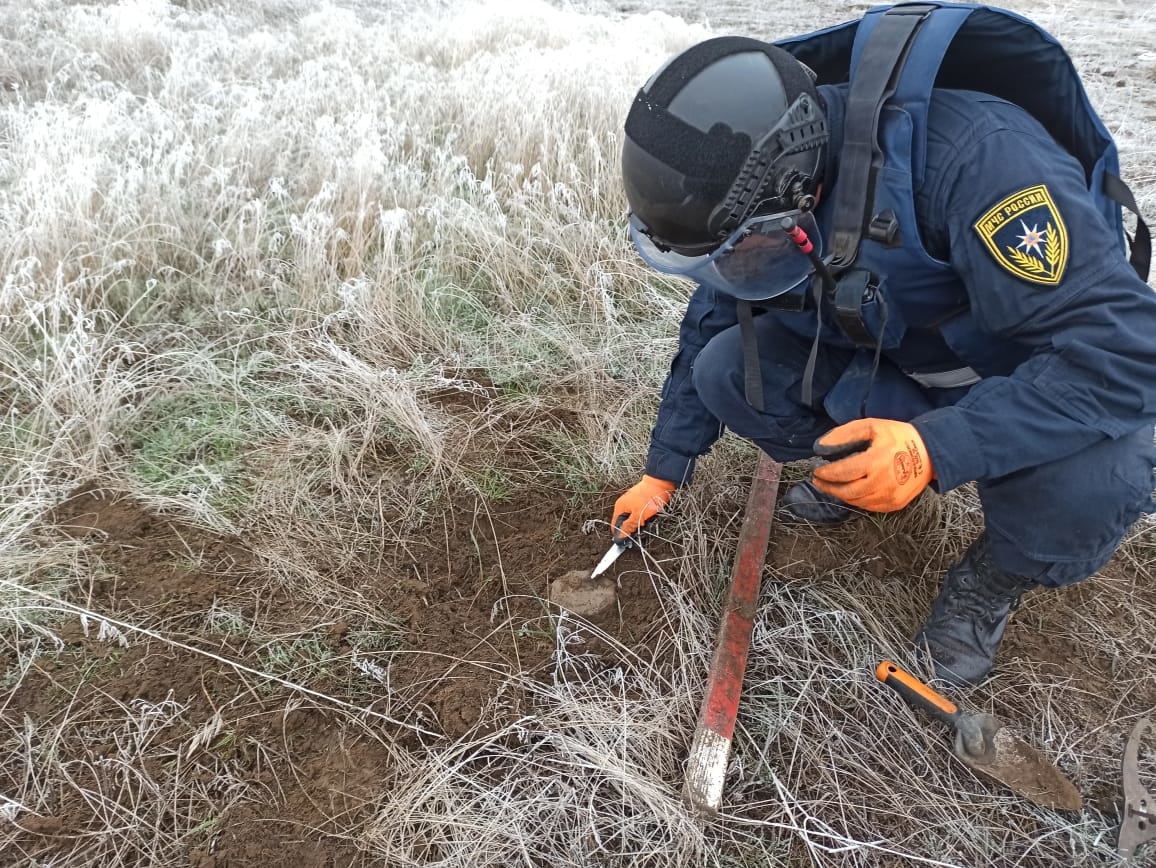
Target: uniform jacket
(1009,275)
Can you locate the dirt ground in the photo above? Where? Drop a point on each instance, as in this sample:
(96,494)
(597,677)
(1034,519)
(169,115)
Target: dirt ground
(446,602)
(322,775)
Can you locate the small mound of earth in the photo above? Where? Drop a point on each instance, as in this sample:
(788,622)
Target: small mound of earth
(581,595)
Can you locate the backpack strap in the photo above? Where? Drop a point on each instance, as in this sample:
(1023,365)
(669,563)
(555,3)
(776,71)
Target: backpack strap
(862,156)
(1140,245)
(752,370)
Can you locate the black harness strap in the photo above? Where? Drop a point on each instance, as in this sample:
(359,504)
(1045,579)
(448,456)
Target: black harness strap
(850,293)
(752,371)
(1141,245)
(817,291)
(872,84)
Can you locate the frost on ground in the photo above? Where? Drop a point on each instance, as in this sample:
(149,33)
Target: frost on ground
(322,342)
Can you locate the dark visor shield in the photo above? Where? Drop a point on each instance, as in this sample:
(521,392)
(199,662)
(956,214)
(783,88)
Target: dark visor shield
(759,261)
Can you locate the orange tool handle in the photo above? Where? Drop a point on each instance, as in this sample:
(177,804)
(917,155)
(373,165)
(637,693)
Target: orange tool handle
(916,693)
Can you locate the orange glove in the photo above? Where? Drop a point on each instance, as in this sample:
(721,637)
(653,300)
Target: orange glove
(881,465)
(639,505)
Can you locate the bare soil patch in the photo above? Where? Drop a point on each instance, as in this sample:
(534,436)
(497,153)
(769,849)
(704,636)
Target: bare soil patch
(471,602)
(472,606)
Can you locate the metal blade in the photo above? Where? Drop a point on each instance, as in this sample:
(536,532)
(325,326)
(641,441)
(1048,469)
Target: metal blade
(1020,767)
(1139,823)
(607,559)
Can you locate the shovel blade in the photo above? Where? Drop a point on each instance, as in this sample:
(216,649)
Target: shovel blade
(1017,765)
(986,747)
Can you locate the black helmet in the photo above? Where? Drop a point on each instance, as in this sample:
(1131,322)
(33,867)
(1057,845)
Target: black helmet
(730,128)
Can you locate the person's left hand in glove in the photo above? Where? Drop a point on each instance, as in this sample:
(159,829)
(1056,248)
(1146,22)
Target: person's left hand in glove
(875,464)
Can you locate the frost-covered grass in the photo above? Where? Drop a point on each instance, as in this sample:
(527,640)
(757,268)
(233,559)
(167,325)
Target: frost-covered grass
(249,249)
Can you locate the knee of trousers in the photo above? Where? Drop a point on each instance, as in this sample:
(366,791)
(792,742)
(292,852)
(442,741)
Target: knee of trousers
(1061,522)
(783,428)
(718,378)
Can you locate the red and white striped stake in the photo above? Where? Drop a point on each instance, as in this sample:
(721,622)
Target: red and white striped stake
(710,751)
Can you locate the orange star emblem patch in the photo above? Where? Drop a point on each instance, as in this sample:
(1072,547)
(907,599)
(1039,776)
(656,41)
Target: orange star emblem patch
(1026,235)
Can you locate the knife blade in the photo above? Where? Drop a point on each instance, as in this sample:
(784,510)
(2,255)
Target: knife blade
(616,550)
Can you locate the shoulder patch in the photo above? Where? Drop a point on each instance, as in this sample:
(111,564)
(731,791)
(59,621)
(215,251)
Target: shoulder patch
(1026,235)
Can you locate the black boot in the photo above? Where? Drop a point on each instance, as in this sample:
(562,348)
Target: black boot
(805,504)
(968,617)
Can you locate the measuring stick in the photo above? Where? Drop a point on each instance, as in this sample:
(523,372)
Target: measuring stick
(710,751)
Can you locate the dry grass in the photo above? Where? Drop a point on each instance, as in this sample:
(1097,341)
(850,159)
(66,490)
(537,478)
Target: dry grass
(310,276)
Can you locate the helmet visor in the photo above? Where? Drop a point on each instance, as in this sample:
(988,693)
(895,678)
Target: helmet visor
(758,261)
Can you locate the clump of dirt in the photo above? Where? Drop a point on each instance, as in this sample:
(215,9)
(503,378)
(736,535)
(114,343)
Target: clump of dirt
(577,593)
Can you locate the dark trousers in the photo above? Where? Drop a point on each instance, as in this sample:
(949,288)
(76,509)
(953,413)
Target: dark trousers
(1056,523)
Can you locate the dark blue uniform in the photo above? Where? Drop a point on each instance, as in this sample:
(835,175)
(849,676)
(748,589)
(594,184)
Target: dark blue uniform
(1020,343)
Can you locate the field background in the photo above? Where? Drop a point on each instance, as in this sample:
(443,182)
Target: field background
(323,350)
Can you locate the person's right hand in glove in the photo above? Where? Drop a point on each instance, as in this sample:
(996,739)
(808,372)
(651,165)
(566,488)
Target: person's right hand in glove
(640,504)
